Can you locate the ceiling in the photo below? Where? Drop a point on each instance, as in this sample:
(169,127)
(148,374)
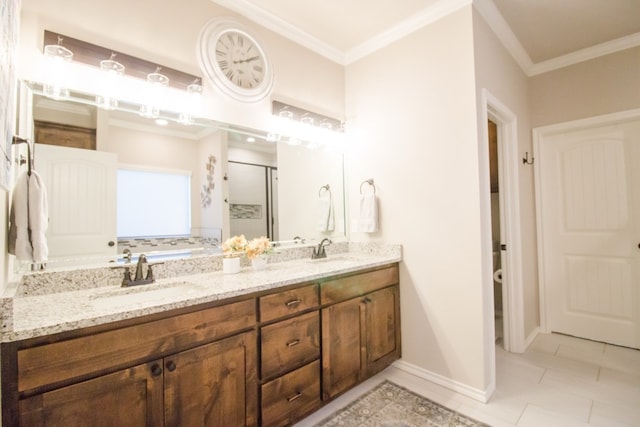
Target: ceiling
(540,34)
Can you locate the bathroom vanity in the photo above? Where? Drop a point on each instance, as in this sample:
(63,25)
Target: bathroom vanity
(258,348)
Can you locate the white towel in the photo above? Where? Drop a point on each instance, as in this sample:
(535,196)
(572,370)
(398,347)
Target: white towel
(29,218)
(368,213)
(325,212)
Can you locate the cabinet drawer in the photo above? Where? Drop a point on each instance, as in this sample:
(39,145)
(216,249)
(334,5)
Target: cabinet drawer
(359,284)
(288,302)
(292,396)
(290,343)
(78,357)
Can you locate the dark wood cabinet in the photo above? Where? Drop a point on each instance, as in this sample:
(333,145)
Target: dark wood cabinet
(197,368)
(269,359)
(290,355)
(130,397)
(212,383)
(360,336)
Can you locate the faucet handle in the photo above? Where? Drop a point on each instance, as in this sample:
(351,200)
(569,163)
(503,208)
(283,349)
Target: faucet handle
(127,277)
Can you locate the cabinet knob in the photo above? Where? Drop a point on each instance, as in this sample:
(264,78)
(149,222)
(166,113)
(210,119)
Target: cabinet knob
(156,370)
(171,365)
(111,243)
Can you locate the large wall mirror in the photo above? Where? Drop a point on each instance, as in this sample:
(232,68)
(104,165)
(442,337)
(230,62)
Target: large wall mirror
(119,181)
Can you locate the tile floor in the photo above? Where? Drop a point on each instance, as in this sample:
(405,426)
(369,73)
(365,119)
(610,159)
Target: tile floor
(559,381)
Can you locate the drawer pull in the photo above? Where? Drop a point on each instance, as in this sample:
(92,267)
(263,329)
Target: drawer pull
(294,397)
(292,303)
(293,343)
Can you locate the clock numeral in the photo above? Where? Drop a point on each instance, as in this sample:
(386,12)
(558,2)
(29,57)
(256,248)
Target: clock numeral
(257,68)
(223,64)
(220,52)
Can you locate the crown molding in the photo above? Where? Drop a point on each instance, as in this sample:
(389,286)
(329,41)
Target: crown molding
(490,13)
(440,9)
(503,31)
(602,49)
(425,17)
(65,107)
(282,27)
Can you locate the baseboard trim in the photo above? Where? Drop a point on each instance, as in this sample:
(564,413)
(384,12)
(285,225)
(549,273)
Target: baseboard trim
(532,336)
(474,393)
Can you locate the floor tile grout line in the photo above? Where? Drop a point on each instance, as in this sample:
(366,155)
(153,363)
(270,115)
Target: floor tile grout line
(522,413)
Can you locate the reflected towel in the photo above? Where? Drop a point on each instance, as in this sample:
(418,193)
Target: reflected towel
(29,218)
(368,213)
(325,212)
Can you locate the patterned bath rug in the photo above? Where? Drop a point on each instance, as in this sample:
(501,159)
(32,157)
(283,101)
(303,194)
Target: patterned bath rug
(390,405)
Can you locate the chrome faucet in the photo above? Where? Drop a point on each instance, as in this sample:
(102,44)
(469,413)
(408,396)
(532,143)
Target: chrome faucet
(319,252)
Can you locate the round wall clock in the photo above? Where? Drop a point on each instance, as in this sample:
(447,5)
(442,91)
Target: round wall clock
(231,57)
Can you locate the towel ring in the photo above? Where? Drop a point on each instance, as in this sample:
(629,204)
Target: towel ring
(324,187)
(370,182)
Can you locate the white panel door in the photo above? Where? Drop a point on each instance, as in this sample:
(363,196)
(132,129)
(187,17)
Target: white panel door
(81,187)
(590,207)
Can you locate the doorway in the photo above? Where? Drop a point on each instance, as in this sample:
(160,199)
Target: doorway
(496,243)
(253,199)
(509,162)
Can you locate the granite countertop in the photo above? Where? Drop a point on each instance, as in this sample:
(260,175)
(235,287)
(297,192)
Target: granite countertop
(29,316)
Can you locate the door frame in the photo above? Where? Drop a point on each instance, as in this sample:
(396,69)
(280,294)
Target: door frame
(539,135)
(512,283)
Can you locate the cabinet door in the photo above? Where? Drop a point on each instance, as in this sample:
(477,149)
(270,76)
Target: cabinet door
(131,397)
(382,320)
(213,385)
(342,346)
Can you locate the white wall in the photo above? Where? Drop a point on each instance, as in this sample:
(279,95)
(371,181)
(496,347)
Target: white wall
(600,86)
(412,116)
(497,72)
(301,174)
(212,216)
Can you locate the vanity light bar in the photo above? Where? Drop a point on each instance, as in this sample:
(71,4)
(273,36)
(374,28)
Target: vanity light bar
(304,116)
(91,54)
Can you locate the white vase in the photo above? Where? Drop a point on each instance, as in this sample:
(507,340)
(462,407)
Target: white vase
(231,265)
(259,263)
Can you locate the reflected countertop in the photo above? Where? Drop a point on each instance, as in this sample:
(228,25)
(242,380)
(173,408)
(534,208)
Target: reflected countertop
(33,315)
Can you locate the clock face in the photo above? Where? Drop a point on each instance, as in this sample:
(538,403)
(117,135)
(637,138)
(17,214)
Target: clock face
(240,60)
(230,56)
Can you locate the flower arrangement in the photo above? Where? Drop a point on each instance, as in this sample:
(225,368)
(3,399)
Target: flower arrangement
(260,246)
(234,246)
